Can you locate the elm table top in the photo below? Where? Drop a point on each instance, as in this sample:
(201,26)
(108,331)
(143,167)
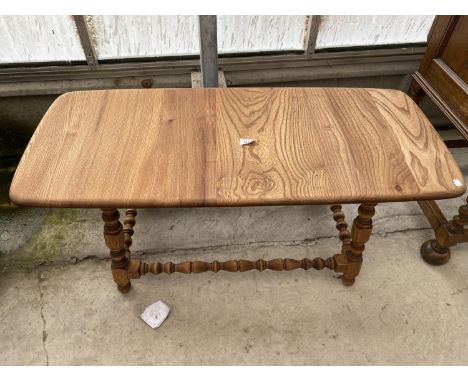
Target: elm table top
(180,147)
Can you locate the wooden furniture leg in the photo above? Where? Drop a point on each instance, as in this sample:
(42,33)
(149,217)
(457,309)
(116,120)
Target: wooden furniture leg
(435,251)
(447,233)
(343,233)
(129,223)
(460,221)
(115,241)
(360,234)
(348,262)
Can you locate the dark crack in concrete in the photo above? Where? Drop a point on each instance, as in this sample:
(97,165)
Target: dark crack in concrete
(44,322)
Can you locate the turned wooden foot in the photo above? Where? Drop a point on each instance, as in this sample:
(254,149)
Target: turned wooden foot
(447,232)
(124,288)
(348,282)
(434,254)
(348,279)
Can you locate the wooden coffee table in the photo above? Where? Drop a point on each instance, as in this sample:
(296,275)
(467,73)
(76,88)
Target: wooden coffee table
(181,148)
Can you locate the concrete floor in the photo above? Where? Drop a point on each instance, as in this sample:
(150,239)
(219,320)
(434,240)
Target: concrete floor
(60,306)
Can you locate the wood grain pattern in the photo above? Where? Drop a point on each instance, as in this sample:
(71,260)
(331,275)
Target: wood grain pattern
(180,147)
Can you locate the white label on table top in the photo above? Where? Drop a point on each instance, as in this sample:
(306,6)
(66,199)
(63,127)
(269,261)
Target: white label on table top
(155,314)
(246,141)
(457,182)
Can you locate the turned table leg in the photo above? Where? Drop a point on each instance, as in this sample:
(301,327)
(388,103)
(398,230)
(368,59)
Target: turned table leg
(114,237)
(129,223)
(118,239)
(447,232)
(435,251)
(343,233)
(360,234)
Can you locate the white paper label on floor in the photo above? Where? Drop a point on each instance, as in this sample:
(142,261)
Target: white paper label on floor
(246,141)
(457,182)
(155,314)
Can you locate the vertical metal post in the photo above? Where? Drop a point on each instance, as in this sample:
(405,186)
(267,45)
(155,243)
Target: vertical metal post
(311,33)
(208,51)
(86,40)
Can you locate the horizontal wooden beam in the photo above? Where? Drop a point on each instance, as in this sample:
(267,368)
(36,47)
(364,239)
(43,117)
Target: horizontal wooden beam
(188,65)
(238,71)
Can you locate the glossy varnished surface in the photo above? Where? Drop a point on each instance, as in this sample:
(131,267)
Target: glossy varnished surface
(180,147)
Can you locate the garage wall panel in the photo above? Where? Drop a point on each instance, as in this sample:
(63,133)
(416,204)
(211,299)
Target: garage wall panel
(26,39)
(260,33)
(144,36)
(348,31)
